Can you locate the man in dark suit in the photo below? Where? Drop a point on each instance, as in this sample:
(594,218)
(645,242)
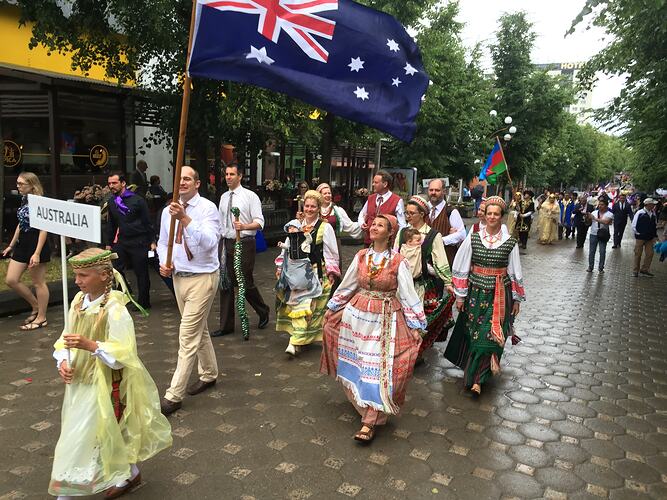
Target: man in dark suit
(130,234)
(140,179)
(622,212)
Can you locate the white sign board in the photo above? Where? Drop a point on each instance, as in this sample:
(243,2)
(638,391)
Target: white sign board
(65,218)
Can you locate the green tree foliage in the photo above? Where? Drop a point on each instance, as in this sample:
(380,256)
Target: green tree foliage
(455,110)
(535,100)
(638,50)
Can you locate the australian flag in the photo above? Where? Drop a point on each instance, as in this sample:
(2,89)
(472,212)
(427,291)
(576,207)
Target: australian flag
(337,55)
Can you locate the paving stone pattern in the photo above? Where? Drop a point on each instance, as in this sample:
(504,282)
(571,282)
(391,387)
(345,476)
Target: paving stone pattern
(580,410)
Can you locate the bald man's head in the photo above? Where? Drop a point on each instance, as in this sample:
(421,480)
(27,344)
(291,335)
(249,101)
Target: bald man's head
(189,183)
(436,191)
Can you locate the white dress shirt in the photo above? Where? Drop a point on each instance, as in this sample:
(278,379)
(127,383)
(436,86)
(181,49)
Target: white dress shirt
(455,221)
(251,211)
(201,235)
(400,210)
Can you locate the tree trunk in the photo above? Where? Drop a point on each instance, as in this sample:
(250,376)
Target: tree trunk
(327,147)
(201,165)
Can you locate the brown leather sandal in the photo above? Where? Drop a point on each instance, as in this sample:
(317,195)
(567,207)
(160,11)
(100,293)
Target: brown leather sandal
(365,436)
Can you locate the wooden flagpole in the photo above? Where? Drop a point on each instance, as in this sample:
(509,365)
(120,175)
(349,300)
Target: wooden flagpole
(507,165)
(182,130)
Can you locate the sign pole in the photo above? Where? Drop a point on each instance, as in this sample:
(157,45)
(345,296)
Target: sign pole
(63,263)
(65,218)
(182,130)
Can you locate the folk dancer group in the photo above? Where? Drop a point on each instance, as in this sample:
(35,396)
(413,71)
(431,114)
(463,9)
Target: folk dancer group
(386,311)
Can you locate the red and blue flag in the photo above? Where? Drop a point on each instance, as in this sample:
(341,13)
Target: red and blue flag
(495,164)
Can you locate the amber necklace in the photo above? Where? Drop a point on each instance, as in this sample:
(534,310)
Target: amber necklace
(372,269)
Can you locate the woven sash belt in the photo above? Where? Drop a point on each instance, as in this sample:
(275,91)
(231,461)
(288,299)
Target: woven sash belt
(498,300)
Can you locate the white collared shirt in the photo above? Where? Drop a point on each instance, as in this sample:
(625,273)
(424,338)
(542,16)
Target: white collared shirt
(251,211)
(399,213)
(455,221)
(202,236)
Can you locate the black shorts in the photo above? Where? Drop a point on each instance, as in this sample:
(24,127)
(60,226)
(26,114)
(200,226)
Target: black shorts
(25,247)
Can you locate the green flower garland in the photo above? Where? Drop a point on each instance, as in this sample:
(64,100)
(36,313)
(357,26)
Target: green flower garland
(240,299)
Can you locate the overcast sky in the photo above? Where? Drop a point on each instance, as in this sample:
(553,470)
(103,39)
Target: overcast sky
(551,19)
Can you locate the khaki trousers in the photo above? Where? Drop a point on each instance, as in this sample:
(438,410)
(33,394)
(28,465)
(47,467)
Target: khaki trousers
(194,296)
(645,246)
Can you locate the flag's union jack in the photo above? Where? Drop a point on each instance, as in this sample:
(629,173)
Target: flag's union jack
(296,17)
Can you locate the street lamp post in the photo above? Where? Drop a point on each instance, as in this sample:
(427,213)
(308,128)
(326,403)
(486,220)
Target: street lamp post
(510,130)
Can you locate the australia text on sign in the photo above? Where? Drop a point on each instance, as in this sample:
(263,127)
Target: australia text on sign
(66,218)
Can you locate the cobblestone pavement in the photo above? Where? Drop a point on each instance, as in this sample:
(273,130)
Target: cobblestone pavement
(579,411)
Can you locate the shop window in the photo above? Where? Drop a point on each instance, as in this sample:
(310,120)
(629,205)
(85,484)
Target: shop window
(90,133)
(28,145)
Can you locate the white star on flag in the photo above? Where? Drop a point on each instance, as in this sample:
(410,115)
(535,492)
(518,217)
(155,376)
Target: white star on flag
(356,64)
(393,46)
(395,82)
(260,55)
(361,93)
(409,70)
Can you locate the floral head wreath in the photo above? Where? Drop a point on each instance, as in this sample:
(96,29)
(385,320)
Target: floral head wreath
(105,258)
(95,260)
(496,200)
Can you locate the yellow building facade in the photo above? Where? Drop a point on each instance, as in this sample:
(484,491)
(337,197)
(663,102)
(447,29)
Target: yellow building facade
(69,128)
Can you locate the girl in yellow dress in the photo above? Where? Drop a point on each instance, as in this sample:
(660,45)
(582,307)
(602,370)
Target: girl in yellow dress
(111,416)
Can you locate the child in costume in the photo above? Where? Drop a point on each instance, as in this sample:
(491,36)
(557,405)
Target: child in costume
(412,250)
(297,282)
(111,416)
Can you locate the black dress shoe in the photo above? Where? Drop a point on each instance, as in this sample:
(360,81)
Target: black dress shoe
(263,322)
(200,386)
(221,333)
(168,407)
(646,273)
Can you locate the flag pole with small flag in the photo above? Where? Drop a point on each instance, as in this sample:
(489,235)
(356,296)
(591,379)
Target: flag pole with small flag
(495,165)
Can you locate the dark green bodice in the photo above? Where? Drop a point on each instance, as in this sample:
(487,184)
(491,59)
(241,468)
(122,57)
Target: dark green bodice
(497,258)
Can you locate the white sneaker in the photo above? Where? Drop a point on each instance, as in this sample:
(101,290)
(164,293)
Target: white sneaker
(291,349)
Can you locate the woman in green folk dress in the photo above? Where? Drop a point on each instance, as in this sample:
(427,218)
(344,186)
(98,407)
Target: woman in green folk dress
(487,278)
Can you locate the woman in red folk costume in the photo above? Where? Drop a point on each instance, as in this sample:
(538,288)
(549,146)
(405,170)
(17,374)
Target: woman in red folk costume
(372,330)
